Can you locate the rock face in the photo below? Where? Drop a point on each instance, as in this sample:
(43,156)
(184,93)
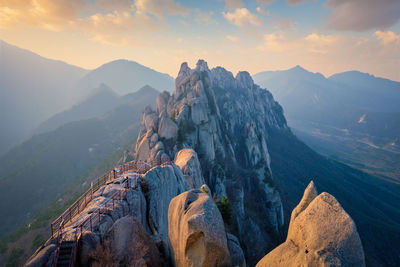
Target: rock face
(164,183)
(196,231)
(235,251)
(226,121)
(320,233)
(131,245)
(188,162)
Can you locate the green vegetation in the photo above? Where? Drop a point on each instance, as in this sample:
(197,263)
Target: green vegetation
(259,164)
(40,170)
(185,128)
(224,207)
(14,257)
(38,241)
(267,177)
(204,189)
(3,247)
(182,96)
(173,118)
(129,158)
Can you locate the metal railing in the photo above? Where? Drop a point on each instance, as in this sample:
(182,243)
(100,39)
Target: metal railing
(79,205)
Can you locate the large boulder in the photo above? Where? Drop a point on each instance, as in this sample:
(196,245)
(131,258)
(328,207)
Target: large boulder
(196,231)
(88,244)
(167,128)
(188,162)
(164,183)
(320,233)
(131,245)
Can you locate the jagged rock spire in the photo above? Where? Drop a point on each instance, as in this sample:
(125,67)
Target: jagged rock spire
(309,194)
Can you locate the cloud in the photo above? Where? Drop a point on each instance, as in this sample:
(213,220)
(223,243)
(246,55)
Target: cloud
(377,53)
(265,2)
(320,43)
(119,27)
(232,4)
(160,8)
(232,38)
(117,22)
(114,4)
(278,42)
(388,37)
(205,18)
(295,2)
(242,17)
(363,15)
(282,24)
(312,43)
(50,14)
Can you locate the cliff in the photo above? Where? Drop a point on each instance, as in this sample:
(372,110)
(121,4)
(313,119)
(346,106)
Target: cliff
(226,120)
(201,191)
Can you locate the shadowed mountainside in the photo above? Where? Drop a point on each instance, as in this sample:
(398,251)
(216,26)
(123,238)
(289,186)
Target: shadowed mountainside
(38,170)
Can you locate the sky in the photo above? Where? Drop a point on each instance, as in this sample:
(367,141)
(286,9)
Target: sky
(326,36)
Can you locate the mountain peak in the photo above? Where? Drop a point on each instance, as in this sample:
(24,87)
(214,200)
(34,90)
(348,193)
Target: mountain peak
(244,79)
(201,65)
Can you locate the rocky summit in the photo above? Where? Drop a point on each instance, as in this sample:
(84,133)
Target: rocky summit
(209,198)
(225,119)
(320,233)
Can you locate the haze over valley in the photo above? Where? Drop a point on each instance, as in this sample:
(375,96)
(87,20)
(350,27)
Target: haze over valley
(214,133)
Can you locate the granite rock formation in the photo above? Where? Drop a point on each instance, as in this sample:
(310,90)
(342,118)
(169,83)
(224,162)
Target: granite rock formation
(225,119)
(196,231)
(320,233)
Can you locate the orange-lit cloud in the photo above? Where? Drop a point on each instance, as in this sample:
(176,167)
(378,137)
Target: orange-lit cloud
(160,8)
(50,14)
(388,37)
(113,28)
(242,17)
(232,38)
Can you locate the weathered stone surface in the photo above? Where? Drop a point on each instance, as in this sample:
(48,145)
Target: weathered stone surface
(164,183)
(137,206)
(131,244)
(309,194)
(162,101)
(188,162)
(235,251)
(320,234)
(196,231)
(167,128)
(88,244)
(41,256)
(143,147)
(226,120)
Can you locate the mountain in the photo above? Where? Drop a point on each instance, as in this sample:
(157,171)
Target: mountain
(40,169)
(208,195)
(125,76)
(101,100)
(226,173)
(32,89)
(252,161)
(351,116)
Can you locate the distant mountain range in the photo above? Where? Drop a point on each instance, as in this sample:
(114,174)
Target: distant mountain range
(42,168)
(34,88)
(351,116)
(125,77)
